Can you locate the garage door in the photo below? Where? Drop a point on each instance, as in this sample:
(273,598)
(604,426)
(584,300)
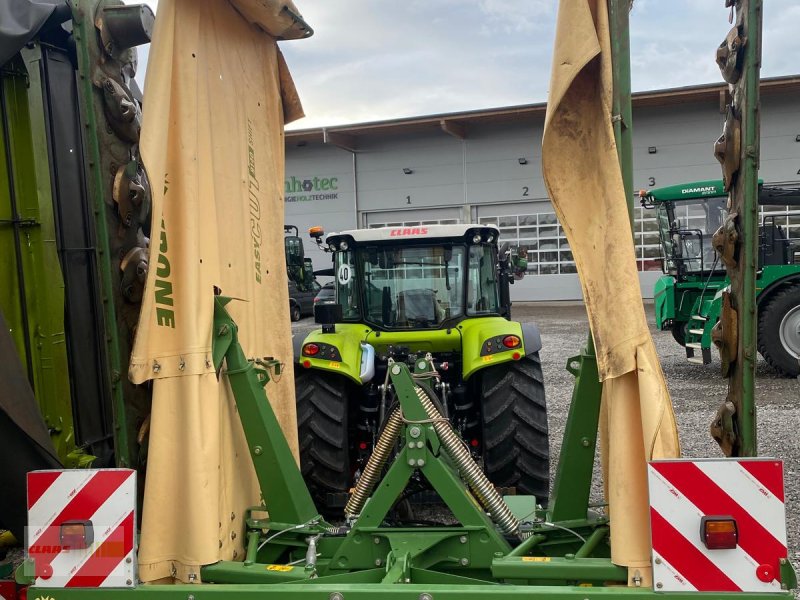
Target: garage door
(427,216)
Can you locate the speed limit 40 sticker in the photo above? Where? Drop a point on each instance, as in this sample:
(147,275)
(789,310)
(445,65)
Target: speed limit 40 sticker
(344,274)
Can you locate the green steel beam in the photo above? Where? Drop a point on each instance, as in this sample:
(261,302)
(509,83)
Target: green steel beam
(228,571)
(86,46)
(573,481)
(288,500)
(326,589)
(744,375)
(570,497)
(622,114)
(584,570)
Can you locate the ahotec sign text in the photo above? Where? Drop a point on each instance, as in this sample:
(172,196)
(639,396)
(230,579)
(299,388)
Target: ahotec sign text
(305,189)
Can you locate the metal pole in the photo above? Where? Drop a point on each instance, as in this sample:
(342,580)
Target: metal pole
(737,243)
(745,374)
(572,485)
(618,11)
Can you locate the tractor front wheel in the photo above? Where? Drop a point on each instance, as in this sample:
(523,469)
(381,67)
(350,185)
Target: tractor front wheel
(679,332)
(516,451)
(322,433)
(779,331)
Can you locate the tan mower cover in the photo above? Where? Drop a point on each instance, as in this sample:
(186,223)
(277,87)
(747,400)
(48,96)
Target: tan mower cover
(582,173)
(212,143)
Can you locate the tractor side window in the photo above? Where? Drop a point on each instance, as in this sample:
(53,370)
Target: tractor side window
(482,296)
(697,221)
(346,288)
(664,227)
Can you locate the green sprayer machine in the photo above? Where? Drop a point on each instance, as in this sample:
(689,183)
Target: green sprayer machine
(688,298)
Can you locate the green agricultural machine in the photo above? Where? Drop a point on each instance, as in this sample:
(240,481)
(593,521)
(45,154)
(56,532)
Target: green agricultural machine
(299,269)
(74,236)
(688,298)
(417,380)
(438,293)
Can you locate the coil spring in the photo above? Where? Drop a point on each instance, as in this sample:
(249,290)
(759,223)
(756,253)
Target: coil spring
(336,529)
(372,471)
(477,481)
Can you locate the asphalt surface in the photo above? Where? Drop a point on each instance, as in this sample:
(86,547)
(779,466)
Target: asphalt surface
(697,391)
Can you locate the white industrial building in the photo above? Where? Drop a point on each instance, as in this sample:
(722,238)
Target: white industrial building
(485,166)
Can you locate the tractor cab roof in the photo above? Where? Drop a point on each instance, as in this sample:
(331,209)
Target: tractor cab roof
(488,234)
(777,194)
(684,191)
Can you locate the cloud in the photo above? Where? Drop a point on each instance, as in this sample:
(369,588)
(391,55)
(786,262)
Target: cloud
(381,59)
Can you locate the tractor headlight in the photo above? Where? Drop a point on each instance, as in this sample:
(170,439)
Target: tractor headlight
(343,245)
(489,238)
(476,239)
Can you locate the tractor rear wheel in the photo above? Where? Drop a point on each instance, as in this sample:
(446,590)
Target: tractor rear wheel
(516,450)
(323,439)
(779,331)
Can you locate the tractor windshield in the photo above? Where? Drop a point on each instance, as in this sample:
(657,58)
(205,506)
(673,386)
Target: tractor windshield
(686,230)
(413,287)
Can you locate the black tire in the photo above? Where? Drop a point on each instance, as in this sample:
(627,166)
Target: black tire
(779,331)
(679,332)
(294,311)
(516,450)
(322,433)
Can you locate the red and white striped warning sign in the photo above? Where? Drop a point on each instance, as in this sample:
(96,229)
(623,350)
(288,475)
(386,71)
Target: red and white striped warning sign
(750,491)
(81,526)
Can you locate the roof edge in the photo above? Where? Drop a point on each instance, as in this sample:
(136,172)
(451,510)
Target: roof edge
(658,97)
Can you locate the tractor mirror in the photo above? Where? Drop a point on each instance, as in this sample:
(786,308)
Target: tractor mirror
(294,251)
(327,315)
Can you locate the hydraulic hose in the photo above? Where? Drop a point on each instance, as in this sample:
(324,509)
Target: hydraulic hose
(477,481)
(372,471)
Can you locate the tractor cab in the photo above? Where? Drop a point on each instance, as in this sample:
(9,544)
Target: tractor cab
(299,269)
(429,277)
(688,216)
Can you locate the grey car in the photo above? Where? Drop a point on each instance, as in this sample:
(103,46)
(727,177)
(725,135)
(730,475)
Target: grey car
(326,295)
(301,302)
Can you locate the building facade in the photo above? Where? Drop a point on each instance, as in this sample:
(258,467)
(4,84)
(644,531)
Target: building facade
(485,167)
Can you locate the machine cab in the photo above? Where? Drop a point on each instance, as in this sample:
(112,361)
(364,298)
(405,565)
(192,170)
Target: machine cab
(688,215)
(418,277)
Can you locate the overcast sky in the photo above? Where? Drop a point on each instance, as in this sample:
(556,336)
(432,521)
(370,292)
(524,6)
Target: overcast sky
(382,59)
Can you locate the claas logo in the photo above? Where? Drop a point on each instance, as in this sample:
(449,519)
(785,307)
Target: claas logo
(408,231)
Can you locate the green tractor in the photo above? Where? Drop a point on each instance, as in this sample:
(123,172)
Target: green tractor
(435,293)
(688,299)
(299,269)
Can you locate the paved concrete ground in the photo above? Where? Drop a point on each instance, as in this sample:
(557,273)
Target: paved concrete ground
(696,392)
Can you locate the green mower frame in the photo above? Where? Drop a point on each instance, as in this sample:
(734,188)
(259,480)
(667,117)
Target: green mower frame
(498,548)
